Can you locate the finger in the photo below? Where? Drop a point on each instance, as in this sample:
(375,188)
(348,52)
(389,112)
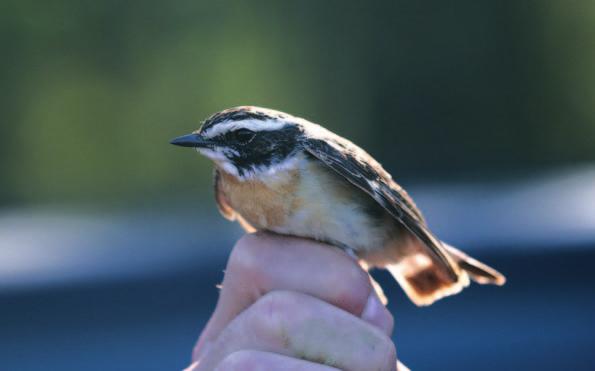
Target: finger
(376,314)
(402,367)
(261,263)
(253,360)
(379,291)
(269,365)
(301,326)
(264,361)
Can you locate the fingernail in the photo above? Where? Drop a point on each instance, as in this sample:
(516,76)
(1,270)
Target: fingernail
(377,314)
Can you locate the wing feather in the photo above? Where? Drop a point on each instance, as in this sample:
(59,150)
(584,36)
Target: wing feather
(359,168)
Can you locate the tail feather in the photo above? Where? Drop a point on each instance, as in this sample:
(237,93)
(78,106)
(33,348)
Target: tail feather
(425,279)
(478,271)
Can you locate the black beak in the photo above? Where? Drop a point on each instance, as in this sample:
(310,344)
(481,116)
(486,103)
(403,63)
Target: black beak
(191,140)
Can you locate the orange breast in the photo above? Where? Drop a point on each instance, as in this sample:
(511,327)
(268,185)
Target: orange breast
(263,205)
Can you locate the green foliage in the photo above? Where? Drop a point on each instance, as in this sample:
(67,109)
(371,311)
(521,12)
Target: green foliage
(93,90)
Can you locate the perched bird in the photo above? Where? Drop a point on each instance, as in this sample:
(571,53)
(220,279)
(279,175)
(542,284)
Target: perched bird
(280,173)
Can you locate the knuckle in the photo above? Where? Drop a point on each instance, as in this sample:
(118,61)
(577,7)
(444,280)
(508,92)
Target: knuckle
(273,303)
(351,290)
(271,312)
(245,254)
(249,264)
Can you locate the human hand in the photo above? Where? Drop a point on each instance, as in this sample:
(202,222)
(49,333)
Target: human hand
(294,304)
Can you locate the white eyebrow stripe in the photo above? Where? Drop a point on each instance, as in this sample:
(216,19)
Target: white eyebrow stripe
(251,124)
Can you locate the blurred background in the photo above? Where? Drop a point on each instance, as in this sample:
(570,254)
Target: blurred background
(110,242)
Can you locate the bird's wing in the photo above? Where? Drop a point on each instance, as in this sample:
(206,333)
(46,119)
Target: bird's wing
(224,207)
(359,168)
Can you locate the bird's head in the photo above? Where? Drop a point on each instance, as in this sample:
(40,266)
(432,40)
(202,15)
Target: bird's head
(247,141)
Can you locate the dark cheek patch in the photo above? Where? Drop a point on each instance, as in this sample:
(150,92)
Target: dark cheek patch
(267,148)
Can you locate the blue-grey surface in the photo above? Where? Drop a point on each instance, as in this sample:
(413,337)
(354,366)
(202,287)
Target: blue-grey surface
(542,320)
(131,292)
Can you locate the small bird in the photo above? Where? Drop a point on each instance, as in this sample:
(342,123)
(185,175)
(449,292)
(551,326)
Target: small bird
(280,173)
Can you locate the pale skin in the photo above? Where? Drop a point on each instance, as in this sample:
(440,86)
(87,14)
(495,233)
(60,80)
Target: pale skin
(297,305)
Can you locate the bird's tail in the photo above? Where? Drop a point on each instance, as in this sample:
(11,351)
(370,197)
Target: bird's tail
(425,279)
(478,271)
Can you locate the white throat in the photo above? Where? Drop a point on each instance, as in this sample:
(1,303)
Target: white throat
(264,173)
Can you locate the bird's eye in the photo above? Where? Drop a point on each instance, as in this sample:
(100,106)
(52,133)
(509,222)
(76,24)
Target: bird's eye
(243,135)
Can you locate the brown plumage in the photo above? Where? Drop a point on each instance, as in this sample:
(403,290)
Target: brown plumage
(280,173)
